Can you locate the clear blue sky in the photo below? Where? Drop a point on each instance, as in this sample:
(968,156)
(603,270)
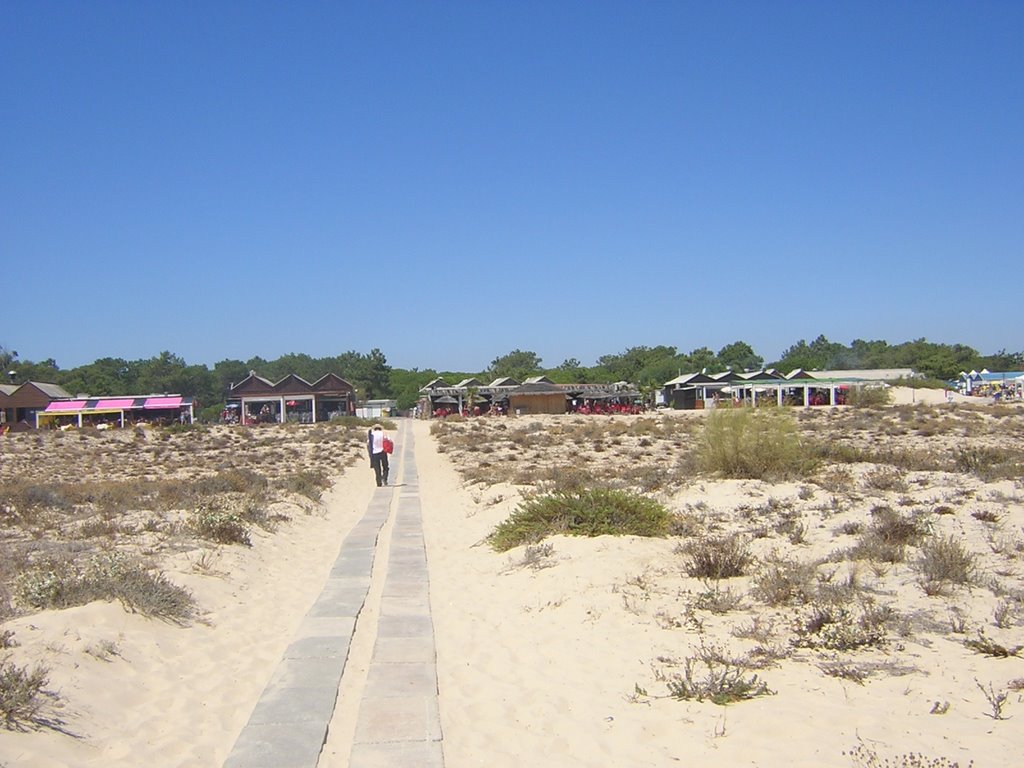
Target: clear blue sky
(449,181)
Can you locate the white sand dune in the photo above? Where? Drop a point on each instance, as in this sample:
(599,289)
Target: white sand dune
(537,666)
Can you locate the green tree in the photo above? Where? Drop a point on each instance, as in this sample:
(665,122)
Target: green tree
(7,359)
(378,375)
(702,359)
(163,373)
(739,356)
(869,354)
(820,354)
(627,365)
(657,373)
(26,370)
(302,365)
(228,372)
(106,376)
(518,364)
(1003,361)
(937,361)
(368,373)
(405,385)
(571,371)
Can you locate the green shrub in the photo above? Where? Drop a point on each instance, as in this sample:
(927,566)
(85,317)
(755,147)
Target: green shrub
(868,397)
(590,512)
(759,444)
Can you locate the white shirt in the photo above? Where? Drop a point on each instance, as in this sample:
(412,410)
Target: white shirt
(378,440)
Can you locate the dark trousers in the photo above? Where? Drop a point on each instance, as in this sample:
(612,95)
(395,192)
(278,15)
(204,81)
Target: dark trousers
(379,462)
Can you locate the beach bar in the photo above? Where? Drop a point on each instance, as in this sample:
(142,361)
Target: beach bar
(293,399)
(105,412)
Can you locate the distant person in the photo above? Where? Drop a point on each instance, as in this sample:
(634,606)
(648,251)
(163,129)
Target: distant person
(378,456)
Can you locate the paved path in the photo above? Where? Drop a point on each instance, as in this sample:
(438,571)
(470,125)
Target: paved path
(398,722)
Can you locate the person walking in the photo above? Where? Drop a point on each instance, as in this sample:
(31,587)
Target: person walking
(378,456)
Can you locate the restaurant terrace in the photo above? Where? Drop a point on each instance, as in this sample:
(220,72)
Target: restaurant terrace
(105,412)
(537,394)
(292,399)
(798,387)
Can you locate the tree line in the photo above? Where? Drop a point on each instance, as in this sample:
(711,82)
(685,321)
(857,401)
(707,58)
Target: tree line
(646,367)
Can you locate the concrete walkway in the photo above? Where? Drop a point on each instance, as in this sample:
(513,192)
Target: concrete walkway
(398,722)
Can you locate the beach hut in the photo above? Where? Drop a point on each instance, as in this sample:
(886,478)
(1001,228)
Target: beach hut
(537,397)
(687,391)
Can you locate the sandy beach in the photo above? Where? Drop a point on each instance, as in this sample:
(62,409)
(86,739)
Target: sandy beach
(561,653)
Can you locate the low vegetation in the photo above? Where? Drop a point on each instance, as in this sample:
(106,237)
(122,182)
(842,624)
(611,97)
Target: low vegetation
(89,515)
(62,583)
(762,444)
(22,694)
(716,557)
(905,504)
(592,512)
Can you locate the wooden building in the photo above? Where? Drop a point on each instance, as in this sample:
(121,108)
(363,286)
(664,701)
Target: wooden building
(537,397)
(293,399)
(20,404)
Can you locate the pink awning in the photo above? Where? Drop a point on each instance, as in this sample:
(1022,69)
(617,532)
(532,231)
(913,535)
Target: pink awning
(117,403)
(64,405)
(163,402)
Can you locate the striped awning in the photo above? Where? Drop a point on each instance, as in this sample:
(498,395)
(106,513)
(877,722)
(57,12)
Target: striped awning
(115,404)
(58,406)
(164,402)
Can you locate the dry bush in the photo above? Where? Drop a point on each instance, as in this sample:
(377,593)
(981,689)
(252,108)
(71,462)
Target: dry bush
(888,536)
(716,676)
(885,479)
(945,561)
(61,583)
(309,483)
(989,647)
(842,626)
(866,757)
(868,397)
(214,522)
(990,463)
(986,516)
(716,557)
(781,581)
(717,599)
(22,693)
